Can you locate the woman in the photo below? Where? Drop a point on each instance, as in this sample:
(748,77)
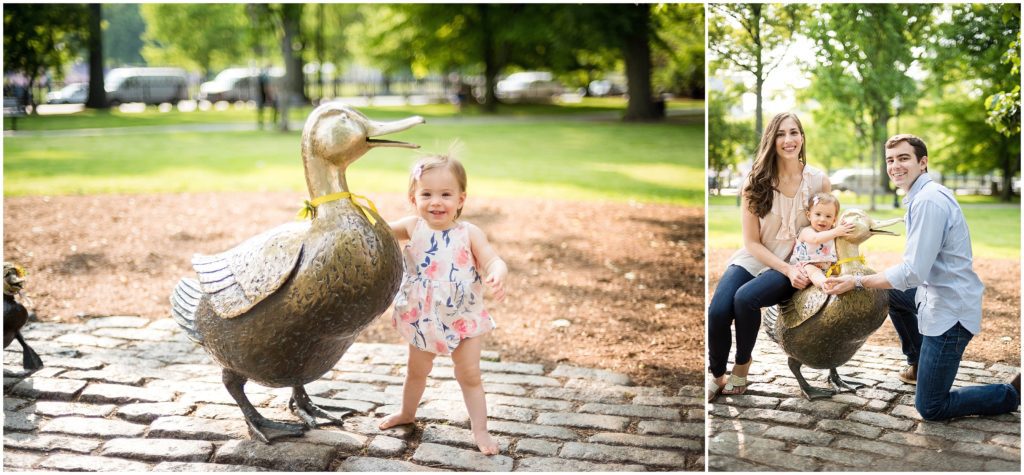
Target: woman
(759,275)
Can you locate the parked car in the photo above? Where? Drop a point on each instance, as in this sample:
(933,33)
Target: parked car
(528,86)
(75,93)
(605,87)
(148,85)
(857,180)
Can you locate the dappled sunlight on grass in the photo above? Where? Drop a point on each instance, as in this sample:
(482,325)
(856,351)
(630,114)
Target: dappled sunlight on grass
(660,174)
(559,158)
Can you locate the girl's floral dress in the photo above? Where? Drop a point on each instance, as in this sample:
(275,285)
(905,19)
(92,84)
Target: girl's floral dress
(441,300)
(822,255)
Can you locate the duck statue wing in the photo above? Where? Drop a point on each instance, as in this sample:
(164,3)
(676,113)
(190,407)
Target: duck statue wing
(236,280)
(802,306)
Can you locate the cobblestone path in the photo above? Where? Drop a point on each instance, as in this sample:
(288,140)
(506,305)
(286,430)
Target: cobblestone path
(773,428)
(128,394)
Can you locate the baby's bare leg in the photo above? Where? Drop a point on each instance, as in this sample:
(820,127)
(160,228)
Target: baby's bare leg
(467,372)
(420,364)
(816,275)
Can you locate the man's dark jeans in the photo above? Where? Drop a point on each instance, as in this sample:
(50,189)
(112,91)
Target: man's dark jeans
(938,363)
(903,315)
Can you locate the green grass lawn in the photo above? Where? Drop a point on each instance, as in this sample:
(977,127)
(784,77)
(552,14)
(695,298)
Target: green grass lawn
(89,119)
(554,158)
(995,229)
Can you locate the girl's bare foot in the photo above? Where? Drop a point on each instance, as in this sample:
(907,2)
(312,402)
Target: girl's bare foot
(487,445)
(395,420)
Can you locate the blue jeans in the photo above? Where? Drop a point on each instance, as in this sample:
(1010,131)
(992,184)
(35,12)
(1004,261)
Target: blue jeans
(903,315)
(936,370)
(739,298)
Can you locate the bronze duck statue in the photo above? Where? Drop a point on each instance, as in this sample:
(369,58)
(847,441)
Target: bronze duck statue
(822,331)
(282,307)
(15,317)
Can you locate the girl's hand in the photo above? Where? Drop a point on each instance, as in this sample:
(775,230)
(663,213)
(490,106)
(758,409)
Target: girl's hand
(497,284)
(844,229)
(797,278)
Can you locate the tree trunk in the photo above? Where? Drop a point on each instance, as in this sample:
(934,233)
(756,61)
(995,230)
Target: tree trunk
(292,90)
(97,94)
(1009,168)
(320,52)
(637,50)
(491,64)
(755,26)
(879,129)
(29,99)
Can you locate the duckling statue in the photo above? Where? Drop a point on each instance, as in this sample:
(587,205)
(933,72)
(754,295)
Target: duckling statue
(16,315)
(823,331)
(282,307)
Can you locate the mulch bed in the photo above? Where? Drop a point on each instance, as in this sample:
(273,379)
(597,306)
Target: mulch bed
(628,278)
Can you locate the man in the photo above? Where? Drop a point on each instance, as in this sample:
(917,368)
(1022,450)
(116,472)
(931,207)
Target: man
(937,261)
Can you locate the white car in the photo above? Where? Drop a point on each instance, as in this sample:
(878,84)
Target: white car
(237,84)
(528,86)
(75,93)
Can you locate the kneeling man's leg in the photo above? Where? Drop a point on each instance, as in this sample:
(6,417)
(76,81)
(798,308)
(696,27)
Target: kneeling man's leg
(903,315)
(937,368)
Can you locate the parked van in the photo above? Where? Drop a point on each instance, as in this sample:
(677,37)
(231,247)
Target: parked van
(237,84)
(148,85)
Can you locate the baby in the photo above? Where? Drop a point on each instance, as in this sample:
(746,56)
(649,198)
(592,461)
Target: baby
(439,309)
(815,248)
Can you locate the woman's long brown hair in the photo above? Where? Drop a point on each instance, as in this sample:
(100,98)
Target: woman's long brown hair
(764,176)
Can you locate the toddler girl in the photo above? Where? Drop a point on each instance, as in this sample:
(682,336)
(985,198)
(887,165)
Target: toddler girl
(439,308)
(815,248)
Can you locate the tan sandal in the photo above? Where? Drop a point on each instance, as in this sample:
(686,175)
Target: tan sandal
(736,386)
(712,388)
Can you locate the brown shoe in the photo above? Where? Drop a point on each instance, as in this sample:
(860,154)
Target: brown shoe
(909,374)
(1016,383)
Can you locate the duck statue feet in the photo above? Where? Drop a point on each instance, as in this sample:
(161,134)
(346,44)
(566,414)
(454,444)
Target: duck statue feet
(30,360)
(259,426)
(301,405)
(809,392)
(841,386)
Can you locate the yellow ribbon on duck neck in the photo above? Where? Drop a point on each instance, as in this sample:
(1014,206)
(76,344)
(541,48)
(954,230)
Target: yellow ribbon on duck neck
(309,206)
(834,269)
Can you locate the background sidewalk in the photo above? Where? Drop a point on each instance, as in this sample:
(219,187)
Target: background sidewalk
(773,428)
(128,394)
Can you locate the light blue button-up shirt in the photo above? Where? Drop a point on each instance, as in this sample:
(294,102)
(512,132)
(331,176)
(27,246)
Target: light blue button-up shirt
(938,261)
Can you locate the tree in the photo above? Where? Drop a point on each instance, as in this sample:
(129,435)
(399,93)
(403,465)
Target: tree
(97,94)
(627,29)
(1004,105)
(678,53)
(863,53)
(752,39)
(205,36)
(288,19)
(472,38)
(41,38)
(969,143)
(729,142)
(122,38)
(979,58)
(326,28)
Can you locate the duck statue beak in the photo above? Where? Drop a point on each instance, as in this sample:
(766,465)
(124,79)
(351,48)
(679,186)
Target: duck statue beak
(374,129)
(884,224)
